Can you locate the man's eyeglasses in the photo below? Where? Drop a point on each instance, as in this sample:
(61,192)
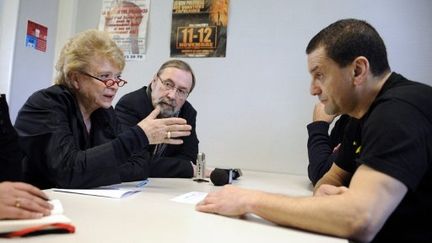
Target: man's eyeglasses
(109,81)
(169,85)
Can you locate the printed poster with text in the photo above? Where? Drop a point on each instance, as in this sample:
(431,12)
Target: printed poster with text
(126,21)
(199,28)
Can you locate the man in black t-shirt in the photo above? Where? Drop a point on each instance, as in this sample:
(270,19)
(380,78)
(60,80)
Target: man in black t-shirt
(380,188)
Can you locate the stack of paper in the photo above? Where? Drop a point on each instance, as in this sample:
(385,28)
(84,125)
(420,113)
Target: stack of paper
(113,191)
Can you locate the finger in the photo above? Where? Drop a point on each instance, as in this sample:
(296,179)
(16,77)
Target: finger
(343,189)
(326,190)
(33,206)
(207,208)
(30,196)
(173,121)
(154,113)
(31,190)
(179,128)
(173,141)
(27,199)
(320,191)
(20,213)
(200,203)
(178,134)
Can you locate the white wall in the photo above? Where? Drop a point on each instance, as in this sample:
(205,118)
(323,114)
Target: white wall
(254,104)
(8,23)
(32,69)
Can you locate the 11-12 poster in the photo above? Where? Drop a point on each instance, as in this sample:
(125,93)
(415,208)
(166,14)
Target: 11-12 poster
(199,28)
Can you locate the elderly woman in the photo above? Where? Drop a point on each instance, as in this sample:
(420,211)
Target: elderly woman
(69,131)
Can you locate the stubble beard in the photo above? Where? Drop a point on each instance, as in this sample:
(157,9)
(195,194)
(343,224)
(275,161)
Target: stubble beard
(330,109)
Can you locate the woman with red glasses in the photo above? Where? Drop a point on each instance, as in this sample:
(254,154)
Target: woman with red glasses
(69,131)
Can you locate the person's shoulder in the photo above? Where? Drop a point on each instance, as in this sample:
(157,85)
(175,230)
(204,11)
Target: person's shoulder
(44,108)
(187,107)
(402,88)
(135,102)
(51,95)
(133,97)
(403,93)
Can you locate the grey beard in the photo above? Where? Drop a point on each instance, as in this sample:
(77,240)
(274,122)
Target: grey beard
(165,113)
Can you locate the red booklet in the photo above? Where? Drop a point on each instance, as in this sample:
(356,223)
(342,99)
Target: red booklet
(54,223)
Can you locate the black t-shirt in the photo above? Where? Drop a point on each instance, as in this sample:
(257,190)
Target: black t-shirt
(395,137)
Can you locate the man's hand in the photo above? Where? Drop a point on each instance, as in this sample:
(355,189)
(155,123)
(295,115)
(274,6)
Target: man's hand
(229,201)
(22,201)
(164,130)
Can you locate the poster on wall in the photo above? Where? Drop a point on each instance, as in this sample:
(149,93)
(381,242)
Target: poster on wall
(199,28)
(126,22)
(36,36)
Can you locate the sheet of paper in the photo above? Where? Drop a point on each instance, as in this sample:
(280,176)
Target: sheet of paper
(190,197)
(57,206)
(112,191)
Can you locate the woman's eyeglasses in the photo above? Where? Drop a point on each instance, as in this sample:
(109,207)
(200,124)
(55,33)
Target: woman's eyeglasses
(108,81)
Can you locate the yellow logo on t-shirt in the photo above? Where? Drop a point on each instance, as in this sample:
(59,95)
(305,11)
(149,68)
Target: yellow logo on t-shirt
(358,150)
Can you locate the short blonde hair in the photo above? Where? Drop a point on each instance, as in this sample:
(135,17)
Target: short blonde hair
(78,52)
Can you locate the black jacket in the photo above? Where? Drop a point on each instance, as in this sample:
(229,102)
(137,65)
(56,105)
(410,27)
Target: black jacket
(60,152)
(175,160)
(10,154)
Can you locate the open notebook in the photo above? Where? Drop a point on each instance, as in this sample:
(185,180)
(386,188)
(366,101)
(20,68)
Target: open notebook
(54,223)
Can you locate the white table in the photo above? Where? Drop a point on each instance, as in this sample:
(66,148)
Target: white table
(151,216)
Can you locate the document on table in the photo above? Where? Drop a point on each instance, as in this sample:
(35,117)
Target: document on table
(112,191)
(190,197)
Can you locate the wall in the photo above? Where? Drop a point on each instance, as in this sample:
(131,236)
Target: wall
(32,69)
(254,104)
(8,23)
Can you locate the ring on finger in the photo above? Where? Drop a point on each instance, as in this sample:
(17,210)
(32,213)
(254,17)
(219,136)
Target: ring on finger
(168,135)
(17,203)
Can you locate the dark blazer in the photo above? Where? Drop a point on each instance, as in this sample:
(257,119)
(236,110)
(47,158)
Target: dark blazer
(10,153)
(175,160)
(59,152)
